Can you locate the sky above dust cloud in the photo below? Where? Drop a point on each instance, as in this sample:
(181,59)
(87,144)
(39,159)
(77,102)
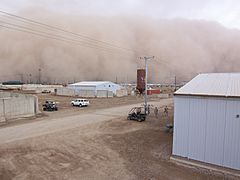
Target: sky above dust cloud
(189,36)
(226,12)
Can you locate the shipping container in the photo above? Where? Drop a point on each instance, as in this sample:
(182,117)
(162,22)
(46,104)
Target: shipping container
(153,91)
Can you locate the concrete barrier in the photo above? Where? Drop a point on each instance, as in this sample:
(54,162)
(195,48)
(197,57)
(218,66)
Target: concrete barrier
(121,93)
(163,96)
(86,93)
(14,106)
(33,88)
(104,94)
(71,92)
(2,117)
(38,88)
(65,92)
(110,94)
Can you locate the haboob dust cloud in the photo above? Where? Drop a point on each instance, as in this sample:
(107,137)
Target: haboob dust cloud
(181,47)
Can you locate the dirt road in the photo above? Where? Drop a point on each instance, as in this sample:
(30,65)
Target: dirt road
(10,134)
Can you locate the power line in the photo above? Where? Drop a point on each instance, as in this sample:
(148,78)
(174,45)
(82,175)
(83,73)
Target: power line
(50,35)
(162,62)
(23,19)
(55,28)
(57,38)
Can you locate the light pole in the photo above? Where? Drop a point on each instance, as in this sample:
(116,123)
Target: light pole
(30,78)
(39,75)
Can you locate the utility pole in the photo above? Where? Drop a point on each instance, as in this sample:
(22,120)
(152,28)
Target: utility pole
(22,78)
(30,78)
(146,81)
(39,75)
(175,83)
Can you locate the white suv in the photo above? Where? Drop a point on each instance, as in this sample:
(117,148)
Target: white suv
(80,102)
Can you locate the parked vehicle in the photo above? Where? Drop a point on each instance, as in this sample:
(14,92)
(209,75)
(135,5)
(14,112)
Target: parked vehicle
(50,106)
(80,102)
(137,114)
(45,91)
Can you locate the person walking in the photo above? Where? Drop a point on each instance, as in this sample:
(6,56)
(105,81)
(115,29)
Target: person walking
(166,111)
(156,112)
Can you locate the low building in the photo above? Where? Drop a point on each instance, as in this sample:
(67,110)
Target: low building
(207,120)
(95,88)
(31,88)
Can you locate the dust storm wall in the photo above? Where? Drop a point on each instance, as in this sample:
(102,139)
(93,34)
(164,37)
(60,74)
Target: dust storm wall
(181,47)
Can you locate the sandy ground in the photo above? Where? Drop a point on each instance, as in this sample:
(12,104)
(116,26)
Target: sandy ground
(94,144)
(66,109)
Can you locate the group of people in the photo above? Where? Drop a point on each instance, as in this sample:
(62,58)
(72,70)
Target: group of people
(165,111)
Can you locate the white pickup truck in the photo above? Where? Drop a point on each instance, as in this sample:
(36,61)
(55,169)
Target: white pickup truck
(80,102)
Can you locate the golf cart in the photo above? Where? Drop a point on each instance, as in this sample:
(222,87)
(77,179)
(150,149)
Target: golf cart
(50,106)
(137,114)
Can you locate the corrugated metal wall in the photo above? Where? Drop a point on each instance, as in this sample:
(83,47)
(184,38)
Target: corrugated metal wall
(197,130)
(216,119)
(180,137)
(2,116)
(208,130)
(232,135)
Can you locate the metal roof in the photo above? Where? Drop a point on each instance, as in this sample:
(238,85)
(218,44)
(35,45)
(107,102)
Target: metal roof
(213,84)
(91,83)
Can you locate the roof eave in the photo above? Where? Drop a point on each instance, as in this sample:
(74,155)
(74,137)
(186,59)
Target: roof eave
(206,95)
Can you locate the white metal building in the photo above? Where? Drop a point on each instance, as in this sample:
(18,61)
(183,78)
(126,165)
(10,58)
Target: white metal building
(207,120)
(96,86)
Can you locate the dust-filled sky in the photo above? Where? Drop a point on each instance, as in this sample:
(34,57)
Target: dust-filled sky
(226,12)
(187,37)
